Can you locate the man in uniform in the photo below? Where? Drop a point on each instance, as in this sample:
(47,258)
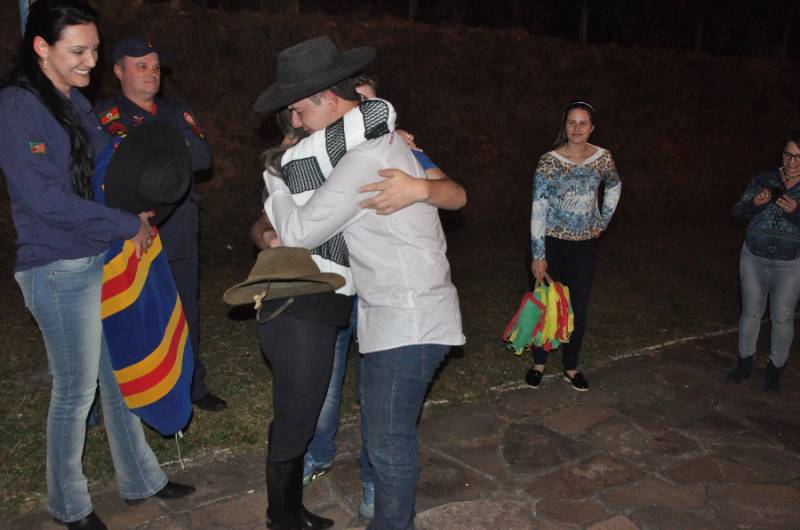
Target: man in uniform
(137,65)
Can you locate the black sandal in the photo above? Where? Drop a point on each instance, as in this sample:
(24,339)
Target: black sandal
(578,381)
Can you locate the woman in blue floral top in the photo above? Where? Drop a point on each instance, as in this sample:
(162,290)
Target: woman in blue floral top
(769,263)
(566,222)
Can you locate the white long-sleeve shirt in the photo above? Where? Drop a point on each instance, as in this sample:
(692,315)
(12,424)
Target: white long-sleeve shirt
(400,270)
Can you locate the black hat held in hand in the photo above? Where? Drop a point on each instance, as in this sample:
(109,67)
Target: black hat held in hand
(150,170)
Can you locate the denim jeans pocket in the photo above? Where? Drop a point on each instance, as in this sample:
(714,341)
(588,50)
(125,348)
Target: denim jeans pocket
(25,281)
(71,266)
(431,356)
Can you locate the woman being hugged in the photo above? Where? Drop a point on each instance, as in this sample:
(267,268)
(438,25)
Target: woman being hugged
(566,222)
(48,138)
(769,263)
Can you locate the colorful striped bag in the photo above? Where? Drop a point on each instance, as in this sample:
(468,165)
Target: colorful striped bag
(544,319)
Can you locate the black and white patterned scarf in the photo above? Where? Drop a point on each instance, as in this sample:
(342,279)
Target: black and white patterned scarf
(308,164)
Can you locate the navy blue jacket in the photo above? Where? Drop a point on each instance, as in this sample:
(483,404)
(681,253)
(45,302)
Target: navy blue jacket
(118,114)
(51,220)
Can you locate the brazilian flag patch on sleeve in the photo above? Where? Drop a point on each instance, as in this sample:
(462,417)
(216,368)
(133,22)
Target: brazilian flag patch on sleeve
(37,148)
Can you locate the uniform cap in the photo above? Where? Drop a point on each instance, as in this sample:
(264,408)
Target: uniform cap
(138,47)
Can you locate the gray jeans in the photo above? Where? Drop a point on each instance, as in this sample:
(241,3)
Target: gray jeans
(778,282)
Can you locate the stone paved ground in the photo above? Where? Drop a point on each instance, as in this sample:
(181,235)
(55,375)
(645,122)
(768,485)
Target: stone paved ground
(660,442)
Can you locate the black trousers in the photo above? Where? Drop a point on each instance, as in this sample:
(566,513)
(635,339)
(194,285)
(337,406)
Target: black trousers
(186,272)
(571,263)
(299,345)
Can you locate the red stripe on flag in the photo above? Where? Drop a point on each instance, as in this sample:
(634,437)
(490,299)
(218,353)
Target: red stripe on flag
(143,383)
(122,281)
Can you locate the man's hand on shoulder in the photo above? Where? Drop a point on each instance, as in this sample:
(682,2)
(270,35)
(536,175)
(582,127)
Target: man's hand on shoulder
(398,190)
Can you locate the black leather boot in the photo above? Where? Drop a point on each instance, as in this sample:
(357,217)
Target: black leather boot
(772,378)
(171,490)
(90,522)
(742,370)
(285,510)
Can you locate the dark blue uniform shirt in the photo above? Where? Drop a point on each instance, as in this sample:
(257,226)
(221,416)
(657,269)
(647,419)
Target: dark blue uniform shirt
(119,114)
(51,220)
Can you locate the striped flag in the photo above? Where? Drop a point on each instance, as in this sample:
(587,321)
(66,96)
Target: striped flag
(145,327)
(147,336)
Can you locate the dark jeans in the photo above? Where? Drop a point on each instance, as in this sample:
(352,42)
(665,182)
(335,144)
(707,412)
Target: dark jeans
(571,263)
(299,345)
(186,272)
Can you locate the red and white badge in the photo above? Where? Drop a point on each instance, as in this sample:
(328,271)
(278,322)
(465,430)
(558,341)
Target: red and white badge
(193,124)
(117,128)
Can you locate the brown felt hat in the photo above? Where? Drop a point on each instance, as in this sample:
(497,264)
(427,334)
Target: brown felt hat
(280,273)
(308,67)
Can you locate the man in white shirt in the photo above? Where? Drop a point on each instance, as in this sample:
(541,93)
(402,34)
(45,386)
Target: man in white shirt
(408,314)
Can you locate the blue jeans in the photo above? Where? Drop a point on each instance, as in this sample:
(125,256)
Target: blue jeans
(365,472)
(64,298)
(323,446)
(765,279)
(394,383)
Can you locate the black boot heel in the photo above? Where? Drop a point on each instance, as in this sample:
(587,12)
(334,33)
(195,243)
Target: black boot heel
(742,370)
(772,379)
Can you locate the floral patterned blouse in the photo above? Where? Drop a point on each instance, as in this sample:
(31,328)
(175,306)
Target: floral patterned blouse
(565,198)
(771,232)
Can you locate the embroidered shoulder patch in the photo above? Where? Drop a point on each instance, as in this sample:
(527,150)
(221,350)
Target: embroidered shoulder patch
(193,124)
(110,116)
(118,129)
(37,148)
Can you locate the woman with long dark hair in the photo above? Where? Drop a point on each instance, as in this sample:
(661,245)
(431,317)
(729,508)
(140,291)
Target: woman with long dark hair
(48,138)
(566,222)
(299,344)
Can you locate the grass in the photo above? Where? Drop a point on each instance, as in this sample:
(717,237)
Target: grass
(643,294)
(640,298)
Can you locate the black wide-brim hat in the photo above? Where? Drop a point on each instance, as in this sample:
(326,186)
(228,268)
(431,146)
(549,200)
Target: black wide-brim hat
(309,67)
(151,169)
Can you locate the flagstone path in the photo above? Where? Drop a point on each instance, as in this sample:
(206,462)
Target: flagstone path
(660,442)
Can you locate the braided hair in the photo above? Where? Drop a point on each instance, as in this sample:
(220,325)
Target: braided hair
(48,19)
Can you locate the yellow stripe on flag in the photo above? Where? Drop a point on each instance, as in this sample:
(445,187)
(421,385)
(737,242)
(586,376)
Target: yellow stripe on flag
(158,391)
(119,263)
(156,357)
(118,266)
